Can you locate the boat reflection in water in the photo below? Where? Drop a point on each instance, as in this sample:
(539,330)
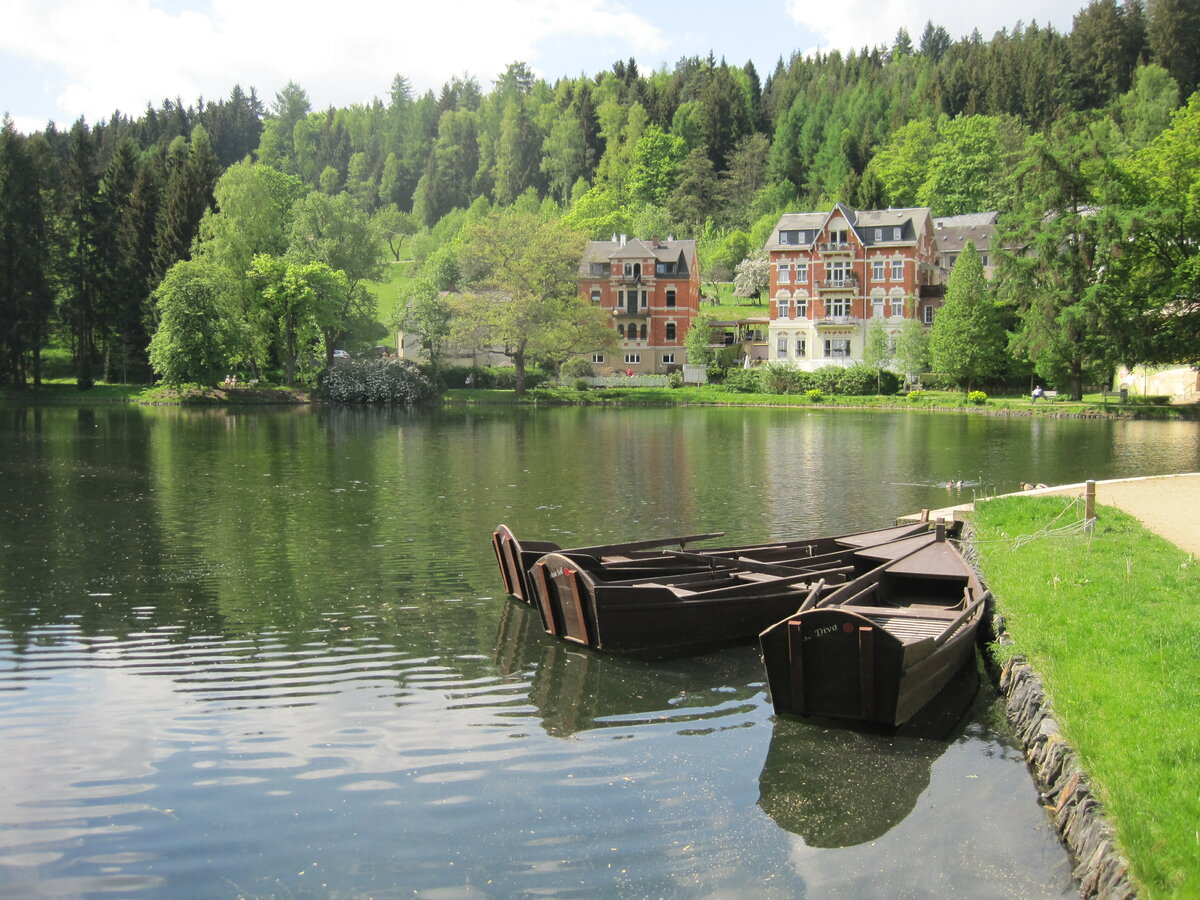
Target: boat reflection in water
(575,689)
(836,784)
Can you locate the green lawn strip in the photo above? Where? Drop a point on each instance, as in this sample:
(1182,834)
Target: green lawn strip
(396,279)
(1111,621)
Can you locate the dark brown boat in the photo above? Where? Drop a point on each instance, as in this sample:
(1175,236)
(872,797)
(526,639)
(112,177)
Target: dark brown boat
(633,557)
(879,647)
(585,599)
(652,558)
(589,607)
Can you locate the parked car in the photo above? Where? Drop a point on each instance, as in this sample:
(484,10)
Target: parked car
(340,354)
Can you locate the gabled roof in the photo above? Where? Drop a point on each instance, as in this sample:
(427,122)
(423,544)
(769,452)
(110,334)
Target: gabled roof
(953,232)
(636,249)
(914,220)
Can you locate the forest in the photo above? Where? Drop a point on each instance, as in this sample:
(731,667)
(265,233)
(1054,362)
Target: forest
(192,238)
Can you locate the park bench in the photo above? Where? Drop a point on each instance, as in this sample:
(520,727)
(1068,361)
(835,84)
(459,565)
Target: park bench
(1050,395)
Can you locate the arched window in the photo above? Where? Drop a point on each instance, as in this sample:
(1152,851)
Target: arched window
(621,330)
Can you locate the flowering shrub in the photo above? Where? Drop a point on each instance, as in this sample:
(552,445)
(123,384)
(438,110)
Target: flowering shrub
(977,397)
(915,396)
(816,395)
(377,381)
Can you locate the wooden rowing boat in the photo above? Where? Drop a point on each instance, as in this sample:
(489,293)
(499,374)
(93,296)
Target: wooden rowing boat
(585,599)
(667,612)
(877,648)
(653,558)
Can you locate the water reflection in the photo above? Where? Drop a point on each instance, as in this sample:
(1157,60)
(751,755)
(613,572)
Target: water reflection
(575,689)
(265,652)
(835,784)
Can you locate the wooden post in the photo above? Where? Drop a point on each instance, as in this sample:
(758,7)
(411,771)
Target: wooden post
(1089,506)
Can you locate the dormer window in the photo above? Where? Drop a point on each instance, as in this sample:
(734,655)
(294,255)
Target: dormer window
(783,237)
(878,234)
(896,232)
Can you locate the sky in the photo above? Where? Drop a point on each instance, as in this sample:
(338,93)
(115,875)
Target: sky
(62,59)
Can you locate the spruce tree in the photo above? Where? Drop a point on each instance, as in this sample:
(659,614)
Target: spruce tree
(967,341)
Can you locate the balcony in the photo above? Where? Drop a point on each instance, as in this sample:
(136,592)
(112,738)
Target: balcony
(835,248)
(624,312)
(835,320)
(629,279)
(849,283)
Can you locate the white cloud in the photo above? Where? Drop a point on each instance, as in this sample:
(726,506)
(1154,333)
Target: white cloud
(852,24)
(125,53)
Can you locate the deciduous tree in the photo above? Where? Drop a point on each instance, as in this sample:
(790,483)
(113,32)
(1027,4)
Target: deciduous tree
(524,298)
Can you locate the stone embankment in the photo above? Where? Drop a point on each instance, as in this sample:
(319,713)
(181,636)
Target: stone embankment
(1064,787)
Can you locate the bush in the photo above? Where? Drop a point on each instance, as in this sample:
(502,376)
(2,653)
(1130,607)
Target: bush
(675,379)
(815,395)
(857,381)
(742,381)
(576,368)
(977,397)
(778,378)
(915,396)
(377,381)
(889,382)
(939,381)
(828,379)
(580,384)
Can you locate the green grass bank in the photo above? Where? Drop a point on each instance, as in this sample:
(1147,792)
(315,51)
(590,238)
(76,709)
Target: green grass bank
(1110,620)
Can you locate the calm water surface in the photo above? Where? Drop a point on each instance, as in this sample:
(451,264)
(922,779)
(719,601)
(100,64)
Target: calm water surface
(266,654)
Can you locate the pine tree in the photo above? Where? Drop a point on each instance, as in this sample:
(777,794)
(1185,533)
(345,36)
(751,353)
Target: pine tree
(967,340)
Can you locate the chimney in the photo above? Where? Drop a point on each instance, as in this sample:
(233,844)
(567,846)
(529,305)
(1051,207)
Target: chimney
(623,238)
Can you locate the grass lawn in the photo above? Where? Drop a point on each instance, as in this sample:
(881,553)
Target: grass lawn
(1111,621)
(729,306)
(396,278)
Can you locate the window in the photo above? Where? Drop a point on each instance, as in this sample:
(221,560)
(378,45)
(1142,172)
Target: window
(785,273)
(670,296)
(897,270)
(643,331)
(785,308)
(632,359)
(983,259)
(801,345)
(839,306)
(781,348)
(929,315)
(644,301)
(620,299)
(878,234)
(896,232)
(837,348)
(877,270)
(837,274)
(596,295)
(801,272)
(621,331)
(837,237)
(668,359)
(597,358)
(599,268)
(801,308)
(877,308)
(628,268)
(670,336)
(783,237)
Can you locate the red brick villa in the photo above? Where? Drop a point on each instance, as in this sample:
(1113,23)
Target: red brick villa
(652,289)
(833,272)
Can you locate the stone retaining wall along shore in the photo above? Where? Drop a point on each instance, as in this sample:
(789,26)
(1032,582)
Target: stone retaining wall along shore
(1065,789)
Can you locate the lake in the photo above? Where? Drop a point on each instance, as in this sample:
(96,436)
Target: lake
(267,653)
